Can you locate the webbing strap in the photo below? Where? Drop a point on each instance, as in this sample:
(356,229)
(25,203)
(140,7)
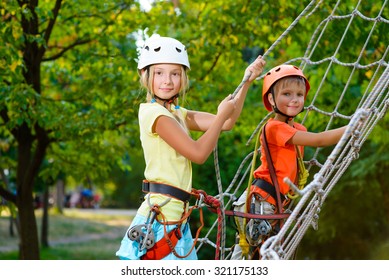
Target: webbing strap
(272,171)
(165,189)
(267,187)
(162,248)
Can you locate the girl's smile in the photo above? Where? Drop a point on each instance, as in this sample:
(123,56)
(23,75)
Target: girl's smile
(167,80)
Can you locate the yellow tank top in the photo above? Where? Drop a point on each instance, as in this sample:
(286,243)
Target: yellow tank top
(163,163)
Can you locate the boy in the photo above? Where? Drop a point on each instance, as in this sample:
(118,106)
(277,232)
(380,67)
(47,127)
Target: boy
(285,89)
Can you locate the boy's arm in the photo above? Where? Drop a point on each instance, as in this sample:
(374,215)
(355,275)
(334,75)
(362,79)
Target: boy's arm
(321,139)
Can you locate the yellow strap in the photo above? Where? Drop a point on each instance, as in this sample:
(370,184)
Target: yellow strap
(303,174)
(242,229)
(244,245)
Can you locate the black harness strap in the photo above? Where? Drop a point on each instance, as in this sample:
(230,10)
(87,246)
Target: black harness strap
(267,187)
(165,189)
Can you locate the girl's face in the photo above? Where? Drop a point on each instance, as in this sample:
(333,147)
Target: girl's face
(289,97)
(167,80)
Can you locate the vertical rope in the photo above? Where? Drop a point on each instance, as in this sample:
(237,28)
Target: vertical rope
(221,213)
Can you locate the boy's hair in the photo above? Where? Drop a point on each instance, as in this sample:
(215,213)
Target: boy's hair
(276,74)
(287,81)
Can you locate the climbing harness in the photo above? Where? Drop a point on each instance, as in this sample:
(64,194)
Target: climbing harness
(144,234)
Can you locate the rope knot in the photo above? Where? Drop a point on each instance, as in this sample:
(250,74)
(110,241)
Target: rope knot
(156,209)
(211,201)
(208,199)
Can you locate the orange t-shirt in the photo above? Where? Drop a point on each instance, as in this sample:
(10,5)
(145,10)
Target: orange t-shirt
(284,155)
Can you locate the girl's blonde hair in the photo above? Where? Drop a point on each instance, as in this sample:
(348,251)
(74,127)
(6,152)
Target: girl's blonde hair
(146,81)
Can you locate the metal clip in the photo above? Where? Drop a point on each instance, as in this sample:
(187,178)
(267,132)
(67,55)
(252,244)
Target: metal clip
(256,228)
(144,233)
(200,200)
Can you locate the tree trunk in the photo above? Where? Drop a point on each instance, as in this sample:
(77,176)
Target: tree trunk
(45,219)
(32,142)
(29,244)
(60,195)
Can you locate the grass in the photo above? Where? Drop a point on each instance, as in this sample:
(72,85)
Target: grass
(74,235)
(88,235)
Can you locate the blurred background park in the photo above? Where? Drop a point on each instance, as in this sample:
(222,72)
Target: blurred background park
(69,138)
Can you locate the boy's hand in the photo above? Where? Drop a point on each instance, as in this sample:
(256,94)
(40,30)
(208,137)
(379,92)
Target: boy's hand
(255,69)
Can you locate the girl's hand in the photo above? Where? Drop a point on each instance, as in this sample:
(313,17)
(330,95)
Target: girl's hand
(226,107)
(255,69)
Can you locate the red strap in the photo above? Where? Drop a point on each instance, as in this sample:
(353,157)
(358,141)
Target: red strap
(161,249)
(272,170)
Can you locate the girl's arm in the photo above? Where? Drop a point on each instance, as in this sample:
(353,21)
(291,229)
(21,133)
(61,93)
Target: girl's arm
(199,150)
(200,121)
(321,139)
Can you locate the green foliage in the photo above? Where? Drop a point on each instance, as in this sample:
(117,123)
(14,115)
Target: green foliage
(89,90)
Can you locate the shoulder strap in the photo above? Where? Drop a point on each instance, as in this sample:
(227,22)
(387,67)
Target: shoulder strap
(272,171)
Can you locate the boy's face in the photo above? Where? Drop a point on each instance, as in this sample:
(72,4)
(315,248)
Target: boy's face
(289,96)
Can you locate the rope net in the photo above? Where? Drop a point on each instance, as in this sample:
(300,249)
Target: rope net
(360,109)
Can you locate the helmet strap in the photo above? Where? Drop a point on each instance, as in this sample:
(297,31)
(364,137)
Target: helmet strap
(166,100)
(278,111)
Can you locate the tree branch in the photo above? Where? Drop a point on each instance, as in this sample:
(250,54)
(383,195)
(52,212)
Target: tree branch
(85,41)
(50,26)
(76,43)
(213,66)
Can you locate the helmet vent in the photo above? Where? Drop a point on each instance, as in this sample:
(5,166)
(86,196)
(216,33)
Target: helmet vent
(278,69)
(178,50)
(157,49)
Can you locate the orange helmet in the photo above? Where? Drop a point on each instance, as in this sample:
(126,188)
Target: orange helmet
(276,74)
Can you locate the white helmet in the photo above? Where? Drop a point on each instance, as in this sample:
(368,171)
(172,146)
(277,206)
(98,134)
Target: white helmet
(162,50)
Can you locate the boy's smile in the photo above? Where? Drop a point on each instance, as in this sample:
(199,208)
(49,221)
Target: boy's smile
(289,98)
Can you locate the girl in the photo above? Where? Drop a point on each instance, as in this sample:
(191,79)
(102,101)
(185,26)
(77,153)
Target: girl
(169,150)
(285,89)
